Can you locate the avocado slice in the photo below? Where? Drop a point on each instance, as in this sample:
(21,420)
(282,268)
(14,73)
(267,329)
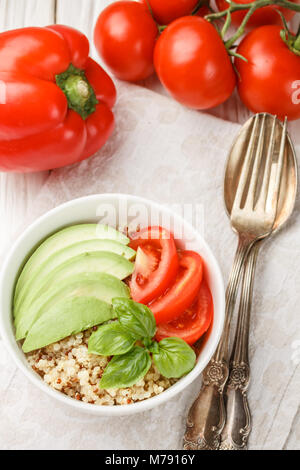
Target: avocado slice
(94,262)
(66,318)
(59,257)
(97,285)
(62,239)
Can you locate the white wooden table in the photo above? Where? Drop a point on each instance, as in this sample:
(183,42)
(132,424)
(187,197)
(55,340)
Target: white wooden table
(80,14)
(18,192)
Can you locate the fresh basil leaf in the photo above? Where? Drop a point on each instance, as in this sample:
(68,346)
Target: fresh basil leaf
(136,318)
(110,339)
(126,370)
(174,358)
(153,347)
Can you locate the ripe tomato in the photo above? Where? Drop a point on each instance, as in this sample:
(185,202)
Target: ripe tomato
(156,263)
(194,322)
(167,11)
(203,11)
(193,64)
(268,81)
(125,36)
(262,16)
(183,292)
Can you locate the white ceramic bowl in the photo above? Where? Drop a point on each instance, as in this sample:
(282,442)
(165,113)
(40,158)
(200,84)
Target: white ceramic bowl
(109,208)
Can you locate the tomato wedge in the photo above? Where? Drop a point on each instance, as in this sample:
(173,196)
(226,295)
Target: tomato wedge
(156,265)
(183,292)
(194,322)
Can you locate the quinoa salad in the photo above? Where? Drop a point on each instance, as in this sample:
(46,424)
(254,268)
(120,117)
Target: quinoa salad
(68,367)
(109,319)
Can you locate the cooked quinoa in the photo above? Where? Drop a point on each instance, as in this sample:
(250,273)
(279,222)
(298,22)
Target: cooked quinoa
(68,367)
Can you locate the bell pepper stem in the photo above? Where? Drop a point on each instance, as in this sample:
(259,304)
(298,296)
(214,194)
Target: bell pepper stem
(78,91)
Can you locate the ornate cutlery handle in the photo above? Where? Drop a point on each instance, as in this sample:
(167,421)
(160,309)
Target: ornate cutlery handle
(206,418)
(238,424)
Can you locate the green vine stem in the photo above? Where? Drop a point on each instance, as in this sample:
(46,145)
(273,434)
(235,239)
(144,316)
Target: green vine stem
(232,7)
(226,24)
(297,44)
(251,7)
(161,28)
(291,40)
(241,29)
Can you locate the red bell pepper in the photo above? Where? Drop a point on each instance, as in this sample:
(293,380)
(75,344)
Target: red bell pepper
(55,101)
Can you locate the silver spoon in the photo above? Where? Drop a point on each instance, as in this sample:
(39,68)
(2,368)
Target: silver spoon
(260,185)
(238,417)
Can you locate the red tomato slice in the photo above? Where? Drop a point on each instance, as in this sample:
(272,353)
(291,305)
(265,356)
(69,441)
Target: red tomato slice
(194,322)
(156,265)
(183,292)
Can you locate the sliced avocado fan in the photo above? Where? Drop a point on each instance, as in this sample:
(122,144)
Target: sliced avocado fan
(66,237)
(66,318)
(59,257)
(95,262)
(101,286)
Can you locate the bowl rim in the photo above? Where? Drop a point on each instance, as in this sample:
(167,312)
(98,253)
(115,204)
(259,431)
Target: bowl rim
(149,403)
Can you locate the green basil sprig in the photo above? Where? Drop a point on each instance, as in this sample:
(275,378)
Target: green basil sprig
(136,318)
(110,340)
(126,370)
(173,357)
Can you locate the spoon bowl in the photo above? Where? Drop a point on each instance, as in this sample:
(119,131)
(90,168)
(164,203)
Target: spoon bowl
(238,416)
(260,187)
(288,187)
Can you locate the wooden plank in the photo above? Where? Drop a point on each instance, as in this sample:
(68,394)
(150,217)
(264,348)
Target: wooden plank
(17,191)
(81,14)
(18,13)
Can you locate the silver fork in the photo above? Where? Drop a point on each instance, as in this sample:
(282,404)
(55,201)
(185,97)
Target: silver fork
(252,217)
(238,416)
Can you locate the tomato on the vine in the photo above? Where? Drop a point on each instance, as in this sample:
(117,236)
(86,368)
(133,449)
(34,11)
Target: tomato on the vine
(262,16)
(193,64)
(194,322)
(166,11)
(125,36)
(268,80)
(203,11)
(182,292)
